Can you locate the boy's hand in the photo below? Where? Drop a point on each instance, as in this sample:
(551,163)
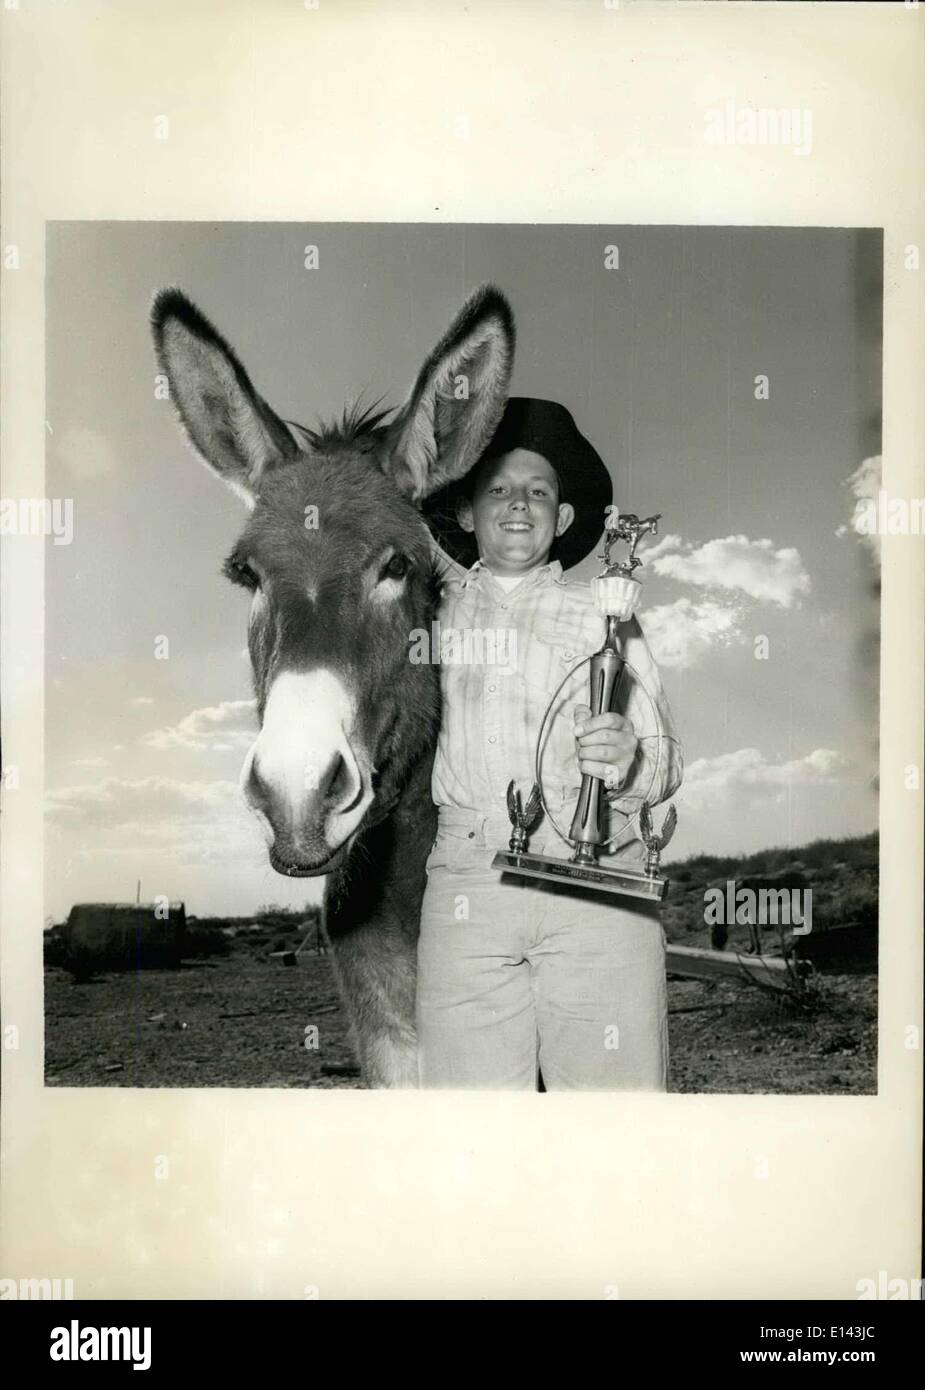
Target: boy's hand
(606,745)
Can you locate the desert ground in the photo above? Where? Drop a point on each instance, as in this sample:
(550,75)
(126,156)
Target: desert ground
(241,1022)
(235,1014)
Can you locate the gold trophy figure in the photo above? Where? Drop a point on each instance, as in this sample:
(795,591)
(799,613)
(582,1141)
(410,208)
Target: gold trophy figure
(617,593)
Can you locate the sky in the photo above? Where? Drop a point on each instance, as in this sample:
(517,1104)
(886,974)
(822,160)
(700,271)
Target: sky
(760,599)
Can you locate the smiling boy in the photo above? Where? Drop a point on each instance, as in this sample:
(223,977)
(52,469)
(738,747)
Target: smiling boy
(519,978)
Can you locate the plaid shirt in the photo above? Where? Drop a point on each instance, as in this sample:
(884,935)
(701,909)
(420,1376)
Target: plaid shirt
(503,653)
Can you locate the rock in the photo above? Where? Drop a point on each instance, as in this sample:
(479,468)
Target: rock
(838,1042)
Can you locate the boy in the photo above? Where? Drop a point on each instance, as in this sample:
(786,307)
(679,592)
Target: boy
(520,978)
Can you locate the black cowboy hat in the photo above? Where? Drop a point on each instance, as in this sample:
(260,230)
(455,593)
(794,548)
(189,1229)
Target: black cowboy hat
(546,428)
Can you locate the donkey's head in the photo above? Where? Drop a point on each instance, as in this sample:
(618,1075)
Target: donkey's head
(338,560)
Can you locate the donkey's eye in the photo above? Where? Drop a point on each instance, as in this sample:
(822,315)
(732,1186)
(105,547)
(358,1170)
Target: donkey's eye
(240,572)
(395,568)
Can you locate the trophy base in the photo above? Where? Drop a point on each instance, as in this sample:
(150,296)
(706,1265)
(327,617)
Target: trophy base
(619,881)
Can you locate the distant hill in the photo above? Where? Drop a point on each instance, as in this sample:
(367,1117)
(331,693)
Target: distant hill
(843,876)
(860,852)
(273,918)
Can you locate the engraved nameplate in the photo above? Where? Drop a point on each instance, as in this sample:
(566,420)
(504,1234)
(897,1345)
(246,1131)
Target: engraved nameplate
(623,881)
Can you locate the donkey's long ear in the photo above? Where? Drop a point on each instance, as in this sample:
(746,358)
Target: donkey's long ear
(229,425)
(457,400)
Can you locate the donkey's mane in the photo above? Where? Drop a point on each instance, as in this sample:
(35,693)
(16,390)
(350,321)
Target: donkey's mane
(360,427)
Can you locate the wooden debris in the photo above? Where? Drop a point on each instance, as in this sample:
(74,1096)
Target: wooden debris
(284,957)
(698,963)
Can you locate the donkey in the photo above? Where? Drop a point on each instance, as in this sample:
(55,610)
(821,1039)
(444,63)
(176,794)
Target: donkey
(342,569)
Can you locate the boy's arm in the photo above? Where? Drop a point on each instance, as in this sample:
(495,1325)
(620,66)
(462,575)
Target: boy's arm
(656,771)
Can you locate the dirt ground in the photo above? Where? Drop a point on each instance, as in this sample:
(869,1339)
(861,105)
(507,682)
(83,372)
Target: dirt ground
(227,1022)
(240,1021)
(738,1040)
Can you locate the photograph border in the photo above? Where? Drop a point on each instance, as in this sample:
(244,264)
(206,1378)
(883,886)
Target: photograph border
(350,1194)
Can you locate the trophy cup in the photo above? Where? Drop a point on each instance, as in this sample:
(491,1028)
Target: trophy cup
(617,593)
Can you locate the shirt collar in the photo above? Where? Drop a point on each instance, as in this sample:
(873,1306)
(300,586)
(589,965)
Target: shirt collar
(480,574)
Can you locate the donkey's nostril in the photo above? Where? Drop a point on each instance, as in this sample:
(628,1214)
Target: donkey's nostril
(255,789)
(339,789)
(338,785)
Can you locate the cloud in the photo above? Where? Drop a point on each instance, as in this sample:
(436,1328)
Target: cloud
(141,700)
(90,762)
(746,774)
(184,822)
(755,568)
(220,728)
(680,633)
(115,800)
(864,483)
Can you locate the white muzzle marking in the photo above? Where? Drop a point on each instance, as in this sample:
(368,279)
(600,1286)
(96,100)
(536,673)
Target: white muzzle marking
(307,725)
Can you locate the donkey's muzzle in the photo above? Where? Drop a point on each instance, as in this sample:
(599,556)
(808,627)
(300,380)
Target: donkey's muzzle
(302,844)
(294,869)
(303,775)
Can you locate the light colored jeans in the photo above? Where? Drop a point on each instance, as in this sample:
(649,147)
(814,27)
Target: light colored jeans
(517,976)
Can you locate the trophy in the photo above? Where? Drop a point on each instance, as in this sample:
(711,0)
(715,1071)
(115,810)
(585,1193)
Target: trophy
(617,593)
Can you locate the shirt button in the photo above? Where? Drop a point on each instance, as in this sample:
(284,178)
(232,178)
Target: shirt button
(492,739)
(471,834)
(568,655)
(492,689)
